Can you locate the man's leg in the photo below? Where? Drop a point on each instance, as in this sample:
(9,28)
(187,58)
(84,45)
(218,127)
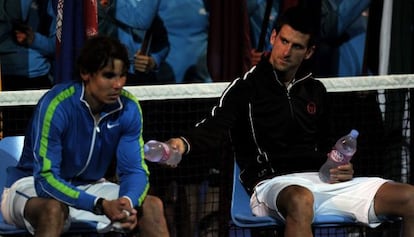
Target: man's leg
(296,205)
(397,199)
(153,222)
(47,216)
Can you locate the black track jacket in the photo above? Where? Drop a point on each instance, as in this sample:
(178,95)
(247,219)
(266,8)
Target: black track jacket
(273,129)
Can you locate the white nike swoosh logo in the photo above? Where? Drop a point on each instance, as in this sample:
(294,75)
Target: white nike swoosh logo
(111,125)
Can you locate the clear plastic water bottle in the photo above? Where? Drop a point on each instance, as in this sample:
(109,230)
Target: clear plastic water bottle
(160,152)
(340,154)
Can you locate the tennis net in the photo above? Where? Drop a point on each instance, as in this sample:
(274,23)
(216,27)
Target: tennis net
(199,189)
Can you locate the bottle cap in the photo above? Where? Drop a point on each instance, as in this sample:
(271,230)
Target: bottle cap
(354,133)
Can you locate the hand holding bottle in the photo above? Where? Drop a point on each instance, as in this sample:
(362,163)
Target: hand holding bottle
(338,159)
(341,173)
(162,153)
(179,144)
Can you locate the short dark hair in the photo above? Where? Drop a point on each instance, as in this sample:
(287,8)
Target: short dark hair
(98,51)
(302,20)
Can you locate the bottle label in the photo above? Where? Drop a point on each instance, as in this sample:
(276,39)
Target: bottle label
(166,153)
(336,156)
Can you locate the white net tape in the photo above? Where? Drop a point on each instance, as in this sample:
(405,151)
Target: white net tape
(212,90)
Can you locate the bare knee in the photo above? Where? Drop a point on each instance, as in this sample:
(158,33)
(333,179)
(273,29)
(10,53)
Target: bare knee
(153,203)
(296,202)
(153,208)
(54,209)
(153,222)
(42,212)
(395,199)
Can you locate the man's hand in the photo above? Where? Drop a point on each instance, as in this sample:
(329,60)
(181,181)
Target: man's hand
(178,144)
(255,56)
(23,34)
(104,3)
(143,63)
(342,173)
(120,210)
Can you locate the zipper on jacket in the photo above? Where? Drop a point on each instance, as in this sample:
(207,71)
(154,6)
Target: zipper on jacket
(287,92)
(96,129)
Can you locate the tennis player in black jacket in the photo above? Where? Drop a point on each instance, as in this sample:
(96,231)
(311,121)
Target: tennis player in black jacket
(277,118)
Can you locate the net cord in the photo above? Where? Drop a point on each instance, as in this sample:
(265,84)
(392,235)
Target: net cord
(213,90)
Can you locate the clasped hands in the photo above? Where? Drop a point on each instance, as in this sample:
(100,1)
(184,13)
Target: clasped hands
(120,211)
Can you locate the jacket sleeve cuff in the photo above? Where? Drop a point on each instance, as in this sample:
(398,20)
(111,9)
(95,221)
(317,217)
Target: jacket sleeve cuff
(86,202)
(187,145)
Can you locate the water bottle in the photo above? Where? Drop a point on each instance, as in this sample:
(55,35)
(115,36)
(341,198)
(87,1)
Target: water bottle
(161,152)
(340,154)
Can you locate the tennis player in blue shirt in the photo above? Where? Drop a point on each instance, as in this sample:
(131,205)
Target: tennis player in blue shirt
(78,128)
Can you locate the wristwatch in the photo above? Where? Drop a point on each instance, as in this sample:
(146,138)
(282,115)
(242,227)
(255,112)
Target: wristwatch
(98,208)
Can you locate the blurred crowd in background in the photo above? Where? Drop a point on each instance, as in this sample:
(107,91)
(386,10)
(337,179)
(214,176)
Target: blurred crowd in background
(187,41)
(204,41)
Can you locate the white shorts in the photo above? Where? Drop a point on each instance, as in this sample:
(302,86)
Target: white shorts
(352,198)
(14,200)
